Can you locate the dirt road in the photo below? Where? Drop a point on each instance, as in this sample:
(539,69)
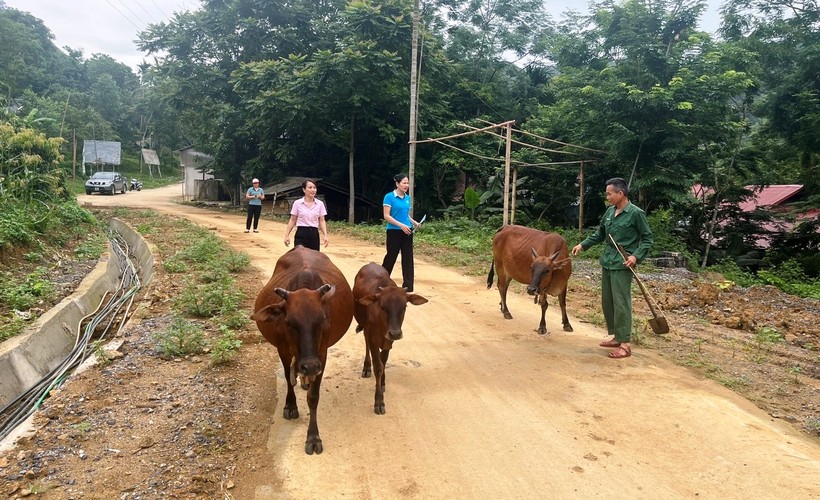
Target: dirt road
(482,407)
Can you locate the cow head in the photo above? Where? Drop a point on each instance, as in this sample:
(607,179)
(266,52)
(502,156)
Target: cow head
(392,304)
(302,314)
(542,268)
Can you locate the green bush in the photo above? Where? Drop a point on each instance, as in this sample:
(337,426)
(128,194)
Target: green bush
(22,296)
(225,347)
(209,299)
(174,265)
(234,261)
(790,277)
(214,272)
(234,319)
(10,326)
(731,271)
(205,247)
(182,337)
(91,248)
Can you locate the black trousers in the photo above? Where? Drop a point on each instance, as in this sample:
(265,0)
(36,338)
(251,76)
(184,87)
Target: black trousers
(254,211)
(397,242)
(307,236)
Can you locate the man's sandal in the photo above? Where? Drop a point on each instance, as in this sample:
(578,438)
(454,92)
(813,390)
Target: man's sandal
(610,343)
(621,352)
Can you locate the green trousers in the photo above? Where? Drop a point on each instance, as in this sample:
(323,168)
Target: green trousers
(616,301)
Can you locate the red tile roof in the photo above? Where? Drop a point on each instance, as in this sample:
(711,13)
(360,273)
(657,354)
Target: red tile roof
(769,196)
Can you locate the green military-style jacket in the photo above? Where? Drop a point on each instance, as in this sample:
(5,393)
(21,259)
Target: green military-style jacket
(629,229)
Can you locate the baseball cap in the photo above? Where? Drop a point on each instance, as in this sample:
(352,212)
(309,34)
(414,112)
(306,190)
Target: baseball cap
(254,181)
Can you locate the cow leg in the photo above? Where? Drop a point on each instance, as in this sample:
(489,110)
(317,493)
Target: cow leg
(562,301)
(542,327)
(503,284)
(378,372)
(314,442)
(367,366)
(385,355)
(291,411)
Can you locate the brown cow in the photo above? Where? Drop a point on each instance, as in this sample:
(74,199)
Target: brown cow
(379,311)
(535,257)
(306,307)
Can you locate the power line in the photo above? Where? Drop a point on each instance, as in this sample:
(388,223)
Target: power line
(132,12)
(164,15)
(123,15)
(146,11)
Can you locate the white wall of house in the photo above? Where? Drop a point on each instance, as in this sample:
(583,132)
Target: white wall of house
(192,163)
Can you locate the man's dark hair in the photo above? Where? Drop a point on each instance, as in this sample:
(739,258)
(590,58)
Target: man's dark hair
(305,183)
(619,184)
(399,177)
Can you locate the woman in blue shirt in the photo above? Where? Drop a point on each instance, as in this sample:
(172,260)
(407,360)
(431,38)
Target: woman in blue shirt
(399,230)
(254,195)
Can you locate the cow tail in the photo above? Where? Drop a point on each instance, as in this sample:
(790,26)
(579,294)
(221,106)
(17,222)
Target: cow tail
(491,275)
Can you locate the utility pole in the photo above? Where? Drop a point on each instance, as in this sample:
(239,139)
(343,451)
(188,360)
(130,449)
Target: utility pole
(411,173)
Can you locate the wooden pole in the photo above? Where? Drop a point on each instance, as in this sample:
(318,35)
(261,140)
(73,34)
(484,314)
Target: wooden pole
(507,124)
(411,173)
(74,158)
(514,184)
(581,200)
(351,203)
(505,218)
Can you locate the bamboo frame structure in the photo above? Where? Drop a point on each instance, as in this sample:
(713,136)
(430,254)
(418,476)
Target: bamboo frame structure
(509,191)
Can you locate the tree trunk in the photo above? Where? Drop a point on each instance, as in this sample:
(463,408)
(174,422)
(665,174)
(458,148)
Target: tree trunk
(635,163)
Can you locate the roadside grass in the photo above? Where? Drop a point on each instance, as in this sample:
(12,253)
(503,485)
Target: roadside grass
(208,305)
(35,240)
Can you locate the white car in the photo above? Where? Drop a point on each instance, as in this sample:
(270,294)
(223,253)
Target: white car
(106,182)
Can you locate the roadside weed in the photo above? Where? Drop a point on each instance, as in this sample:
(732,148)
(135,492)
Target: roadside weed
(182,337)
(225,347)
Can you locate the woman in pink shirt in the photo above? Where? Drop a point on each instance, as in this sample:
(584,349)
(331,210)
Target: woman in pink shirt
(308,215)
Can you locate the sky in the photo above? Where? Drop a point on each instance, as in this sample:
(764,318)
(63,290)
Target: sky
(102,26)
(111,26)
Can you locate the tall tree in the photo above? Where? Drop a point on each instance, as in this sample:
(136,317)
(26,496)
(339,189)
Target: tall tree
(330,94)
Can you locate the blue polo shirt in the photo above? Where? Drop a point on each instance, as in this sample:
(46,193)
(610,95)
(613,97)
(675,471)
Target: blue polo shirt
(399,209)
(253,192)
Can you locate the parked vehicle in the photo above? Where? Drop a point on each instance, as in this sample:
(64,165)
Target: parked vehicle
(136,185)
(106,182)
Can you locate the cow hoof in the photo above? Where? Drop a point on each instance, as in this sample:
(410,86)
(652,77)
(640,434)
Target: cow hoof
(568,328)
(303,383)
(313,445)
(507,316)
(365,373)
(290,413)
(379,409)
(542,331)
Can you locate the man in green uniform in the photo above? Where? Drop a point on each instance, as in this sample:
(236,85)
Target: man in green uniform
(627,225)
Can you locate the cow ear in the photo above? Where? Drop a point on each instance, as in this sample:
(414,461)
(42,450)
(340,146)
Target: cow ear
(269,313)
(369,299)
(282,293)
(534,253)
(559,264)
(416,299)
(326,291)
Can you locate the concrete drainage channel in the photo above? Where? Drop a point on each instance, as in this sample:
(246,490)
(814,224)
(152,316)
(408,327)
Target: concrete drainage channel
(33,363)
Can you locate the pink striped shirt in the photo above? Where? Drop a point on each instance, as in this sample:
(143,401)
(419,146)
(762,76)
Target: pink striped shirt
(308,216)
